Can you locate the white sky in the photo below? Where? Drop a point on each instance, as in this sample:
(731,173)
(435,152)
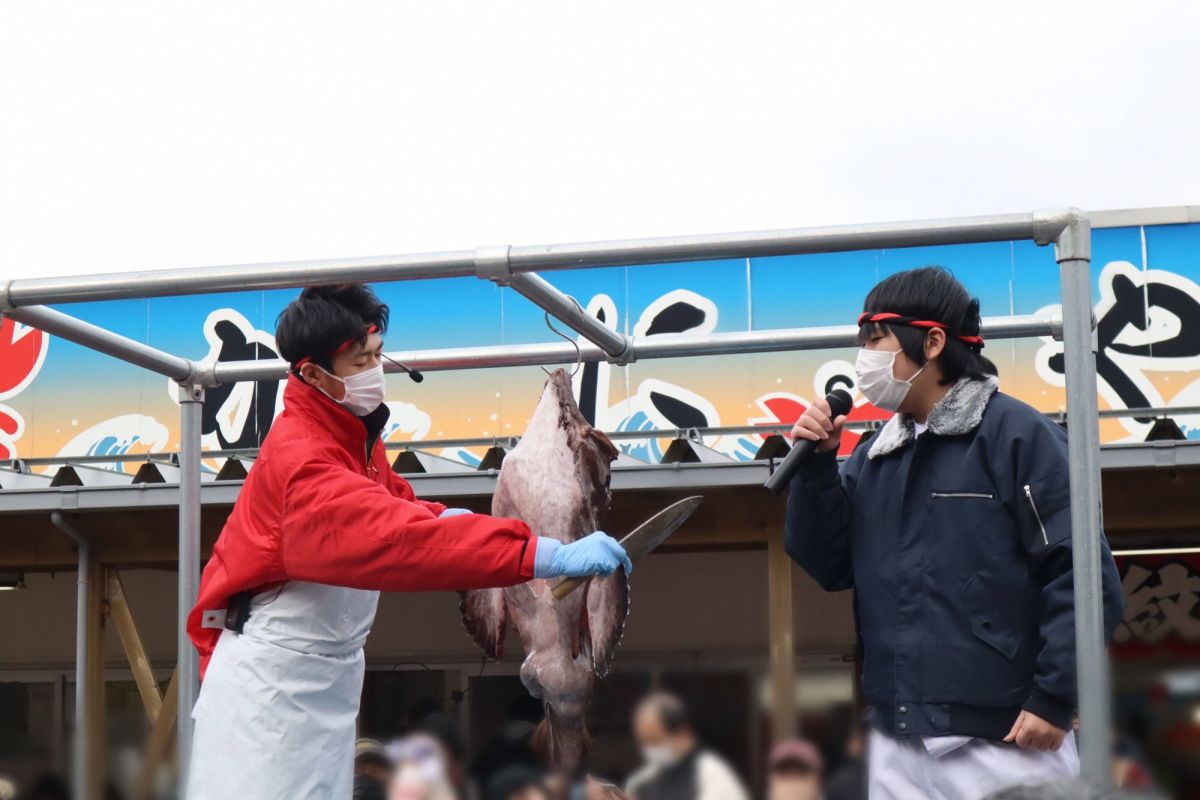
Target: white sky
(160,134)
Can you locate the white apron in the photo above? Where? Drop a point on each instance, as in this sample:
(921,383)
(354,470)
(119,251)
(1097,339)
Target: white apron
(277,709)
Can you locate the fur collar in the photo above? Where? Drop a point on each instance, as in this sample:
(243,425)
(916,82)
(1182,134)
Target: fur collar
(959,412)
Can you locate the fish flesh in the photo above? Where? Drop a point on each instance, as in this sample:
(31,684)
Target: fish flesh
(556,480)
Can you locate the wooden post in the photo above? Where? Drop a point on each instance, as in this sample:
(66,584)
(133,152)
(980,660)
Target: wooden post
(783,646)
(158,748)
(122,618)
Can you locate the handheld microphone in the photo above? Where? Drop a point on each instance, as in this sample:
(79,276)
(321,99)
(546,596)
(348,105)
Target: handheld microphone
(415,375)
(839,401)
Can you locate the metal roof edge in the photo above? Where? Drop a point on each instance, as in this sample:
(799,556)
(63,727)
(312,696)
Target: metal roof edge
(1155,215)
(668,477)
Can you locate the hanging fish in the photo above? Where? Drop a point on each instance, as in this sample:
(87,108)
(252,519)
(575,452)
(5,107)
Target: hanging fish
(557,480)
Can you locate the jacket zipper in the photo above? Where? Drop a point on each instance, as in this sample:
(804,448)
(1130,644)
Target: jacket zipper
(1036,515)
(370,468)
(962,495)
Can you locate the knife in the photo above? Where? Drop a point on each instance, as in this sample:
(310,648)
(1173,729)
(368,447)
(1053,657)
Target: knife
(644,538)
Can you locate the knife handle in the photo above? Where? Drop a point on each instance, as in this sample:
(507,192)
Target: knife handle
(567,586)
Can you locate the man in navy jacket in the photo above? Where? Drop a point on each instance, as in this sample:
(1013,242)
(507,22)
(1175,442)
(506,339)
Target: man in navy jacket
(953,527)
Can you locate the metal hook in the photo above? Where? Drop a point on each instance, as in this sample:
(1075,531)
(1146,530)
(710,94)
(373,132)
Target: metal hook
(574,342)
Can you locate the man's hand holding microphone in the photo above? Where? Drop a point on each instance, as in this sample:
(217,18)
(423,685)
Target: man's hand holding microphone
(820,424)
(818,430)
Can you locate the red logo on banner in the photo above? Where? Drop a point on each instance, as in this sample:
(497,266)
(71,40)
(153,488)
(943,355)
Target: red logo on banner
(22,351)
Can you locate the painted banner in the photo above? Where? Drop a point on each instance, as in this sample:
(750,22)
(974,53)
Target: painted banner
(57,398)
(1162,606)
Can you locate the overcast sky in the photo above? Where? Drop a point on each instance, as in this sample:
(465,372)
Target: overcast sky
(159,134)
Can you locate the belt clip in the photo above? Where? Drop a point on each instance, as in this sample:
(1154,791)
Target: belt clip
(213,619)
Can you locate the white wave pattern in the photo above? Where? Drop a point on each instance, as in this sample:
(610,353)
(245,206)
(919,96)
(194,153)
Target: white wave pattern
(128,433)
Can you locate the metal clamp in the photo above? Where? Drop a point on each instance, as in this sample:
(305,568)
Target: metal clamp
(190,392)
(6,296)
(202,374)
(1074,242)
(1056,326)
(492,263)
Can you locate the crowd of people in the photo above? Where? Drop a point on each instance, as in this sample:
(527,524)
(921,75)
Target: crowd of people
(430,764)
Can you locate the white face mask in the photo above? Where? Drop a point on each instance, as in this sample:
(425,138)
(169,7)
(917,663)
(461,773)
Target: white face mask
(877,379)
(659,755)
(364,390)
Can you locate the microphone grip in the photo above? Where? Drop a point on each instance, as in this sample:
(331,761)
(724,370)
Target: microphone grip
(839,403)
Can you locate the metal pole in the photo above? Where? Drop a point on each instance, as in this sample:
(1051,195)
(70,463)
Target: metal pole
(646,347)
(79,753)
(566,309)
(1042,227)
(104,341)
(1073,253)
(190,400)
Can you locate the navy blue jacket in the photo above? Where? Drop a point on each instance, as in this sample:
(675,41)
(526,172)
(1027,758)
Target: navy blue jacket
(957,543)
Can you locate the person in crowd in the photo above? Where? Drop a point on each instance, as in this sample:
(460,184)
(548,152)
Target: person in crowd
(447,730)
(677,766)
(794,771)
(1129,765)
(517,782)
(372,770)
(953,527)
(510,747)
(849,780)
(420,772)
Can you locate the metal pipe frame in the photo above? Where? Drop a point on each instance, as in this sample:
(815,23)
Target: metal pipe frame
(1041,227)
(1073,254)
(191,399)
(104,341)
(79,750)
(1068,229)
(637,348)
(564,307)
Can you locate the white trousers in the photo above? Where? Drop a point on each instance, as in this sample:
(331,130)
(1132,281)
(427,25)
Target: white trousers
(959,768)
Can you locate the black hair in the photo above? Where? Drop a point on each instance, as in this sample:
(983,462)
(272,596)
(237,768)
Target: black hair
(322,318)
(930,293)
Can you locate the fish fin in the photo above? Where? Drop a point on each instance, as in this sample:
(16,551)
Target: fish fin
(485,617)
(607,609)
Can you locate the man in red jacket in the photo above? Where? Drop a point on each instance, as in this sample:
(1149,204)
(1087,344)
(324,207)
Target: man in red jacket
(322,525)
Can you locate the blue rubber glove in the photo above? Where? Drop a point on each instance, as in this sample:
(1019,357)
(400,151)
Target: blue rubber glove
(597,554)
(454,512)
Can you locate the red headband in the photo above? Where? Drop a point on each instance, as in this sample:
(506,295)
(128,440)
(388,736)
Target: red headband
(913,322)
(340,348)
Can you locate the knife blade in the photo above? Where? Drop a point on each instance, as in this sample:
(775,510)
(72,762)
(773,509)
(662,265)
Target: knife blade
(644,538)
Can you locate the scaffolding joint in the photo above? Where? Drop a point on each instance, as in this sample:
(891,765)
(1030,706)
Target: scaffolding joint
(190,391)
(492,263)
(1074,241)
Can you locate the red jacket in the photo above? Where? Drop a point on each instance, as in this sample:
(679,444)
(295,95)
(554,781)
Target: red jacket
(313,509)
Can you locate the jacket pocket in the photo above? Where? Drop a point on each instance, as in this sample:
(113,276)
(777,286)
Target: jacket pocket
(983,604)
(1043,500)
(957,495)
